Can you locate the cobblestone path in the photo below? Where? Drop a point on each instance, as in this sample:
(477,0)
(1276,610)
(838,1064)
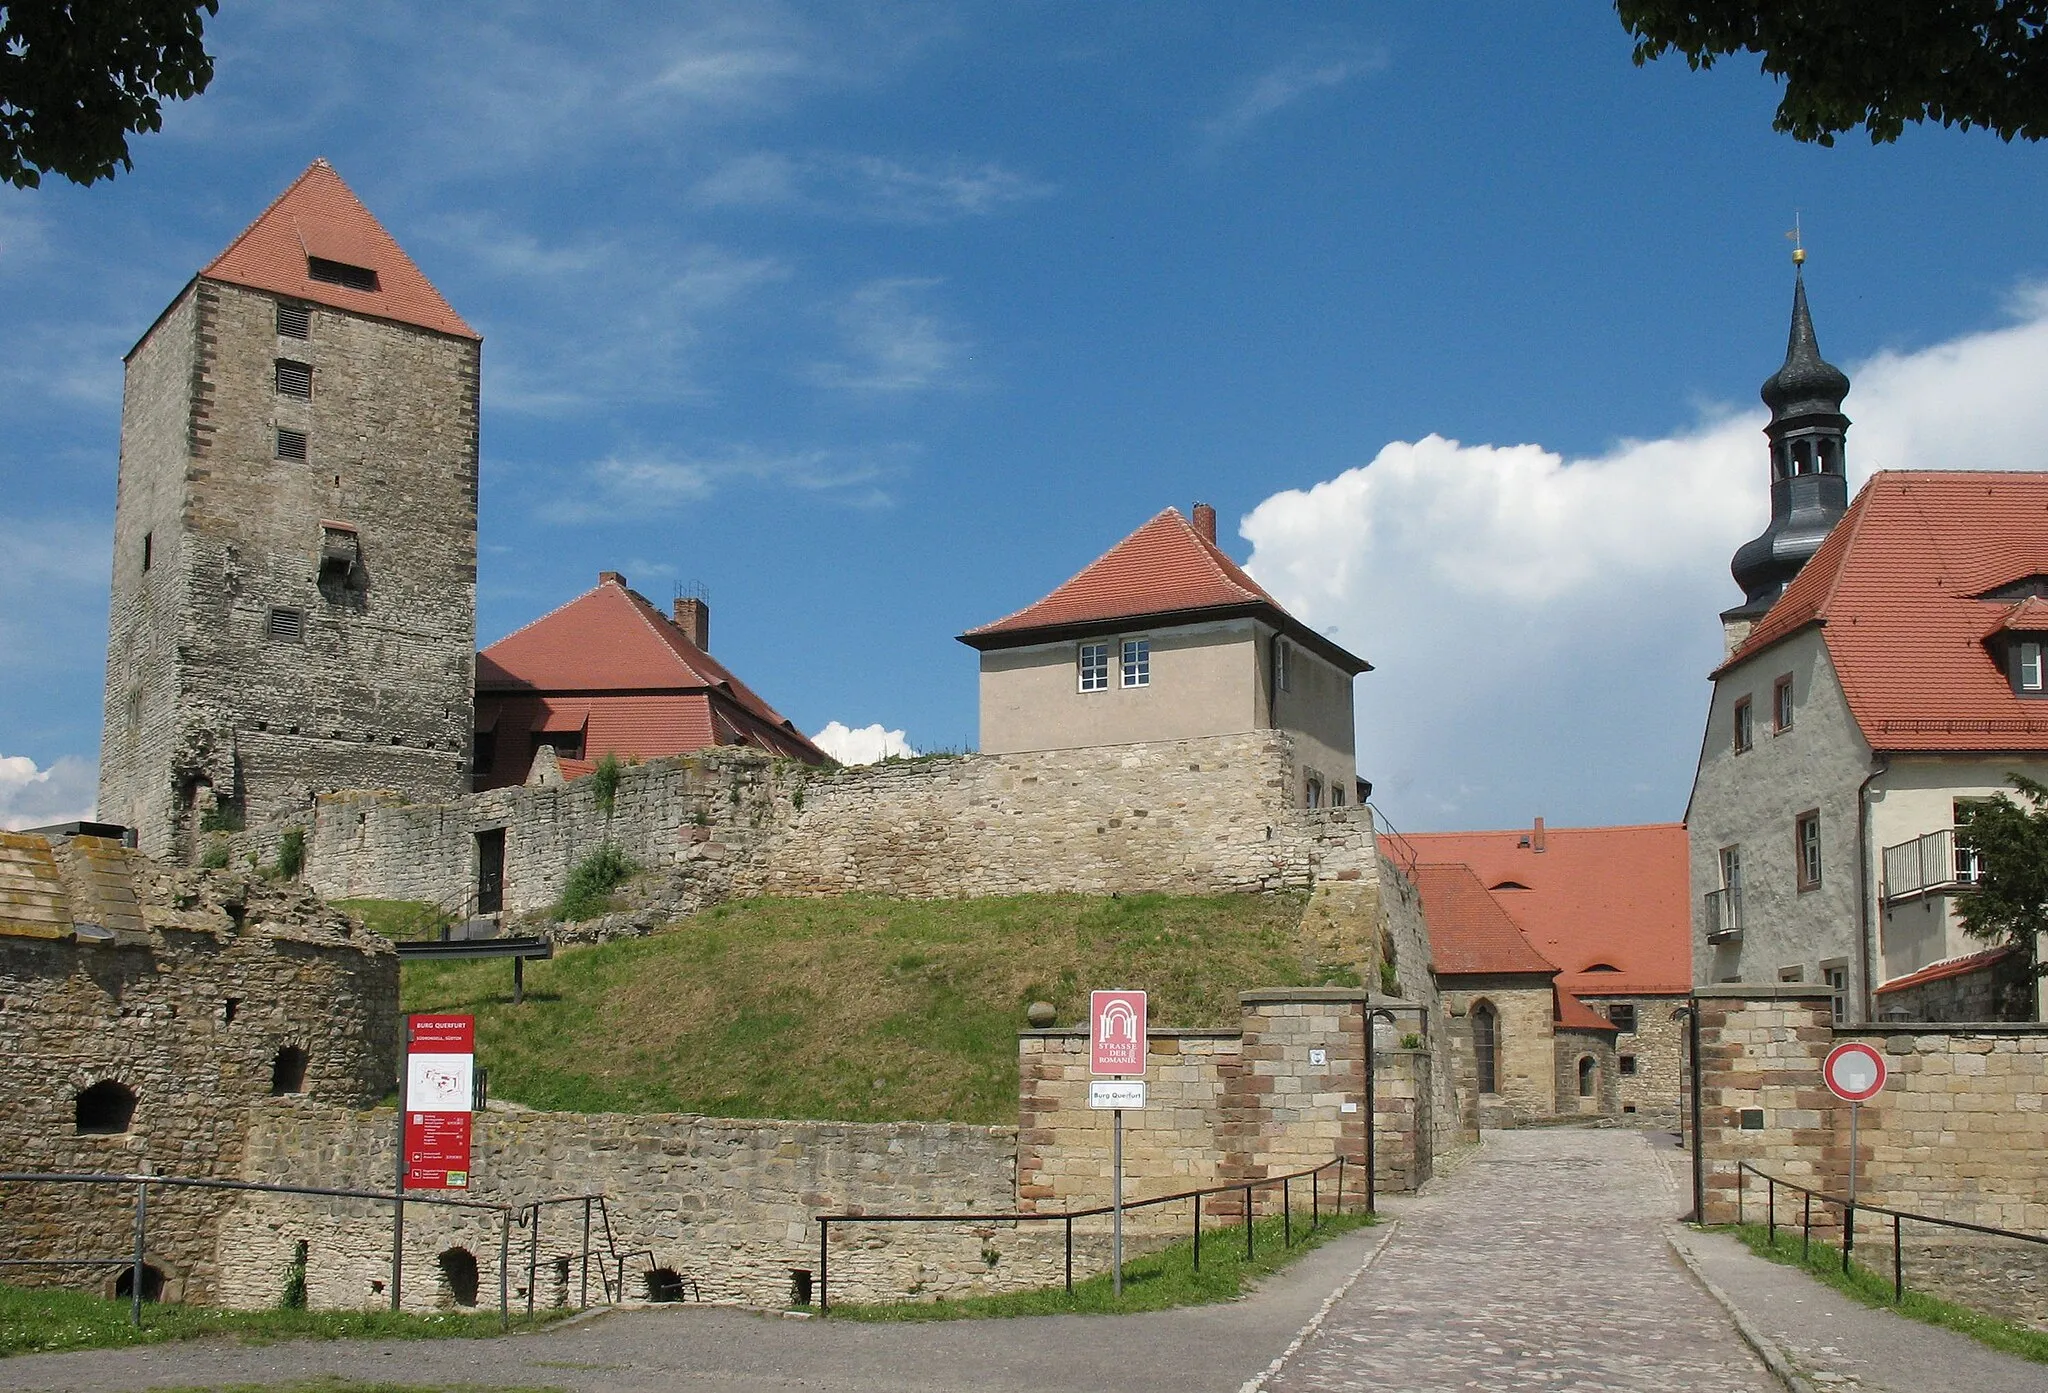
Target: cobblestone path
(1542,1263)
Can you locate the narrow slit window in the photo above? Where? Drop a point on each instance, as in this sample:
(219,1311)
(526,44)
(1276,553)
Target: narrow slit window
(1807,834)
(341,273)
(294,379)
(294,321)
(287,626)
(291,444)
(148,550)
(1137,662)
(1281,677)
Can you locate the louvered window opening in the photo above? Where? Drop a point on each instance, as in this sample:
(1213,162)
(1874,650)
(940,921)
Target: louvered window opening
(294,321)
(291,444)
(294,379)
(288,625)
(341,273)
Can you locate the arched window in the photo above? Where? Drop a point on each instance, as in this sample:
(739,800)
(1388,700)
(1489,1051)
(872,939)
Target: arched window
(288,1071)
(1486,1045)
(458,1274)
(1589,1075)
(106,1109)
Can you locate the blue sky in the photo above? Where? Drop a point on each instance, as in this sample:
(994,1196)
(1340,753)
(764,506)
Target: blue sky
(881,321)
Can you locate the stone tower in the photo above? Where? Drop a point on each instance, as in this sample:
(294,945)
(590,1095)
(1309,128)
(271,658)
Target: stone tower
(1809,472)
(294,596)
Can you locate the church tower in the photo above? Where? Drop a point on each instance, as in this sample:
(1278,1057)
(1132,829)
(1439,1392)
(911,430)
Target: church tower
(294,589)
(1809,470)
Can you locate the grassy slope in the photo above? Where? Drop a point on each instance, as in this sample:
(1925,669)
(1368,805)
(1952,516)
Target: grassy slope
(852,1009)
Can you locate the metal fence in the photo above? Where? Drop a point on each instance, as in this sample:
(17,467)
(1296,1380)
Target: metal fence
(1850,1208)
(1246,1187)
(523,1216)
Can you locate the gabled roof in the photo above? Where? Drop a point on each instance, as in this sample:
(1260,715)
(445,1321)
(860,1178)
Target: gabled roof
(1618,896)
(1895,592)
(319,216)
(2029,616)
(1574,1014)
(610,640)
(1165,570)
(1469,933)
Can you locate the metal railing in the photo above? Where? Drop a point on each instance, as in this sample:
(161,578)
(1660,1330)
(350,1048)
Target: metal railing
(1067,1216)
(1724,913)
(1850,1209)
(1936,861)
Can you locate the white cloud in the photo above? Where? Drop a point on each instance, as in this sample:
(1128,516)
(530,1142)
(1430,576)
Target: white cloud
(892,345)
(641,483)
(867,745)
(1543,627)
(1281,87)
(35,797)
(868,186)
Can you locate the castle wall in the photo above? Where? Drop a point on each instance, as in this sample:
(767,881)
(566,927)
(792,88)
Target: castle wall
(1657,1046)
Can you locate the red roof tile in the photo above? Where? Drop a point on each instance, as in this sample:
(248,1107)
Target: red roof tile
(1468,930)
(1574,1014)
(1949,967)
(1895,590)
(1614,896)
(318,216)
(1164,568)
(2029,616)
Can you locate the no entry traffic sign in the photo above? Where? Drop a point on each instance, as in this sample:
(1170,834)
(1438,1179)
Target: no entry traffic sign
(1854,1072)
(1116,1032)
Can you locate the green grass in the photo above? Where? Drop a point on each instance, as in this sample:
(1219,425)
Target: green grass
(402,921)
(853,1009)
(43,1320)
(1153,1282)
(1875,1289)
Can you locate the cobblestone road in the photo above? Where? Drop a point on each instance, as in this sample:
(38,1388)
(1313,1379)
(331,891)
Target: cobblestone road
(1542,1263)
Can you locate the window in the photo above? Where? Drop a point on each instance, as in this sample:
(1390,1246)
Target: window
(2026,668)
(1281,677)
(1589,1076)
(340,273)
(287,626)
(1622,1016)
(1969,860)
(568,744)
(148,549)
(1094,661)
(1731,870)
(1486,1046)
(1336,793)
(291,444)
(1791,974)
(1806,832)
(1781,705)
(294,379)
(293,321)
(288,1071)
(1837,978)
(105,1110)
(1137,662)
(1743,735)
(1627,1065)
(1312,795)
(485,757)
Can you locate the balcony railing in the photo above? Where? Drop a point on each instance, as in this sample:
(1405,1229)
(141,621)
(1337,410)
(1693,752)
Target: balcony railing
(1931,864)
(1724,914)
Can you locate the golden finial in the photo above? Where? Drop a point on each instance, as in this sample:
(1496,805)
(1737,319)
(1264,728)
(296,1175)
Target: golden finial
(1798,242)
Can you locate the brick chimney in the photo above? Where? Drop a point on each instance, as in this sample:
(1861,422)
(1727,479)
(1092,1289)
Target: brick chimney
(1205,522)
(693,617)
(611,578)
(1536,837)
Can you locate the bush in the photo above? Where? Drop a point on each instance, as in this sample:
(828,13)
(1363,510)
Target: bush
(604,783)
(215,857)
(1390,981)
(588,891)
(221,817)
(291,853)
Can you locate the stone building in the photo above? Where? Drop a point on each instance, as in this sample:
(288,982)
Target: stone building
(1164,637)
(609,674)
(152,1017)
(294,581)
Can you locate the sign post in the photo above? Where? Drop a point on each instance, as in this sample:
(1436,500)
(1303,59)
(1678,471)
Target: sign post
(1855,1073)
(1116,1047)
(434,1105)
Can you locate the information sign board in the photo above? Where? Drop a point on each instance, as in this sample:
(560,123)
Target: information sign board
(1116,1093)
(440,1083)
(1116,1032)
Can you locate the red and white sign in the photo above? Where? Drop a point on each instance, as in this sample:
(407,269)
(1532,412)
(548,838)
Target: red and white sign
(1116,1032)
(440,1089)
(1854,1072)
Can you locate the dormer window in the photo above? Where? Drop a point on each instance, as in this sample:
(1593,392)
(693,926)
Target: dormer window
(340,273)
(2026,667)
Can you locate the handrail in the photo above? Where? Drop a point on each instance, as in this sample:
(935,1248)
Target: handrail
(1067,1216)
(1843,1200)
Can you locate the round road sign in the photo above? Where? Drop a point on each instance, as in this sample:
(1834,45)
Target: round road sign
(1854,1072)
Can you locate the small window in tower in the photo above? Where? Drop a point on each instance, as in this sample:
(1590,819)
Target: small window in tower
(1744,729)
(287,625)
(294,379)
(1781,705)
(341,273)
(294,321)
(1281,677)
(148,550)
(291,444)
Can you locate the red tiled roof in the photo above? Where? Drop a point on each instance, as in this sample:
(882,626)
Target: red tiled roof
(2029,616)
(1574,1014)
(318,216)
(1894,589)
(1468,930)
(1961,966)
(1166,567)
(1619,896)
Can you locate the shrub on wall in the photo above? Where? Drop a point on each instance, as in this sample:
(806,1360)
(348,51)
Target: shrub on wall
(587,893)
(291,853)
(604,783)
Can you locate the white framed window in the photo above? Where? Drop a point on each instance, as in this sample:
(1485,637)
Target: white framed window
(2026,667)
(1808,835)
(1781,705)
(1836,975)
(1744,728)
(1093,663)
(1969,860)
(1137,662)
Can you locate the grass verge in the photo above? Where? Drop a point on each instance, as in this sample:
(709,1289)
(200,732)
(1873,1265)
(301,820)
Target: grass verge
(402,921)
(1153,1282)
(46,1320)
(855,1009)
(1875,1289)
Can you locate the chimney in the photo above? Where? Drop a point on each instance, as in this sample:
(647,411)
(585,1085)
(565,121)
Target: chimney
(611,578)
(693,617)
(1536,837)
(1205,522)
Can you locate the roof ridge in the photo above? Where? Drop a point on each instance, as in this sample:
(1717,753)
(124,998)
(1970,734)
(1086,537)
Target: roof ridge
(1104,556)
(649,615)
(271,207)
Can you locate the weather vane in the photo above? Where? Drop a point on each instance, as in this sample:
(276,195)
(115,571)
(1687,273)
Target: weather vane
(1798,242)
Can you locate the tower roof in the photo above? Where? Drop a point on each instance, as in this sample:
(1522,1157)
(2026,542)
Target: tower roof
(319,225)
(1807,384)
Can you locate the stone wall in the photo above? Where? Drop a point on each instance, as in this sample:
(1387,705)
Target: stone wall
(1525,1074)
(1574,1047)
(1959,1132)
(1651,1094)
(187,1000)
